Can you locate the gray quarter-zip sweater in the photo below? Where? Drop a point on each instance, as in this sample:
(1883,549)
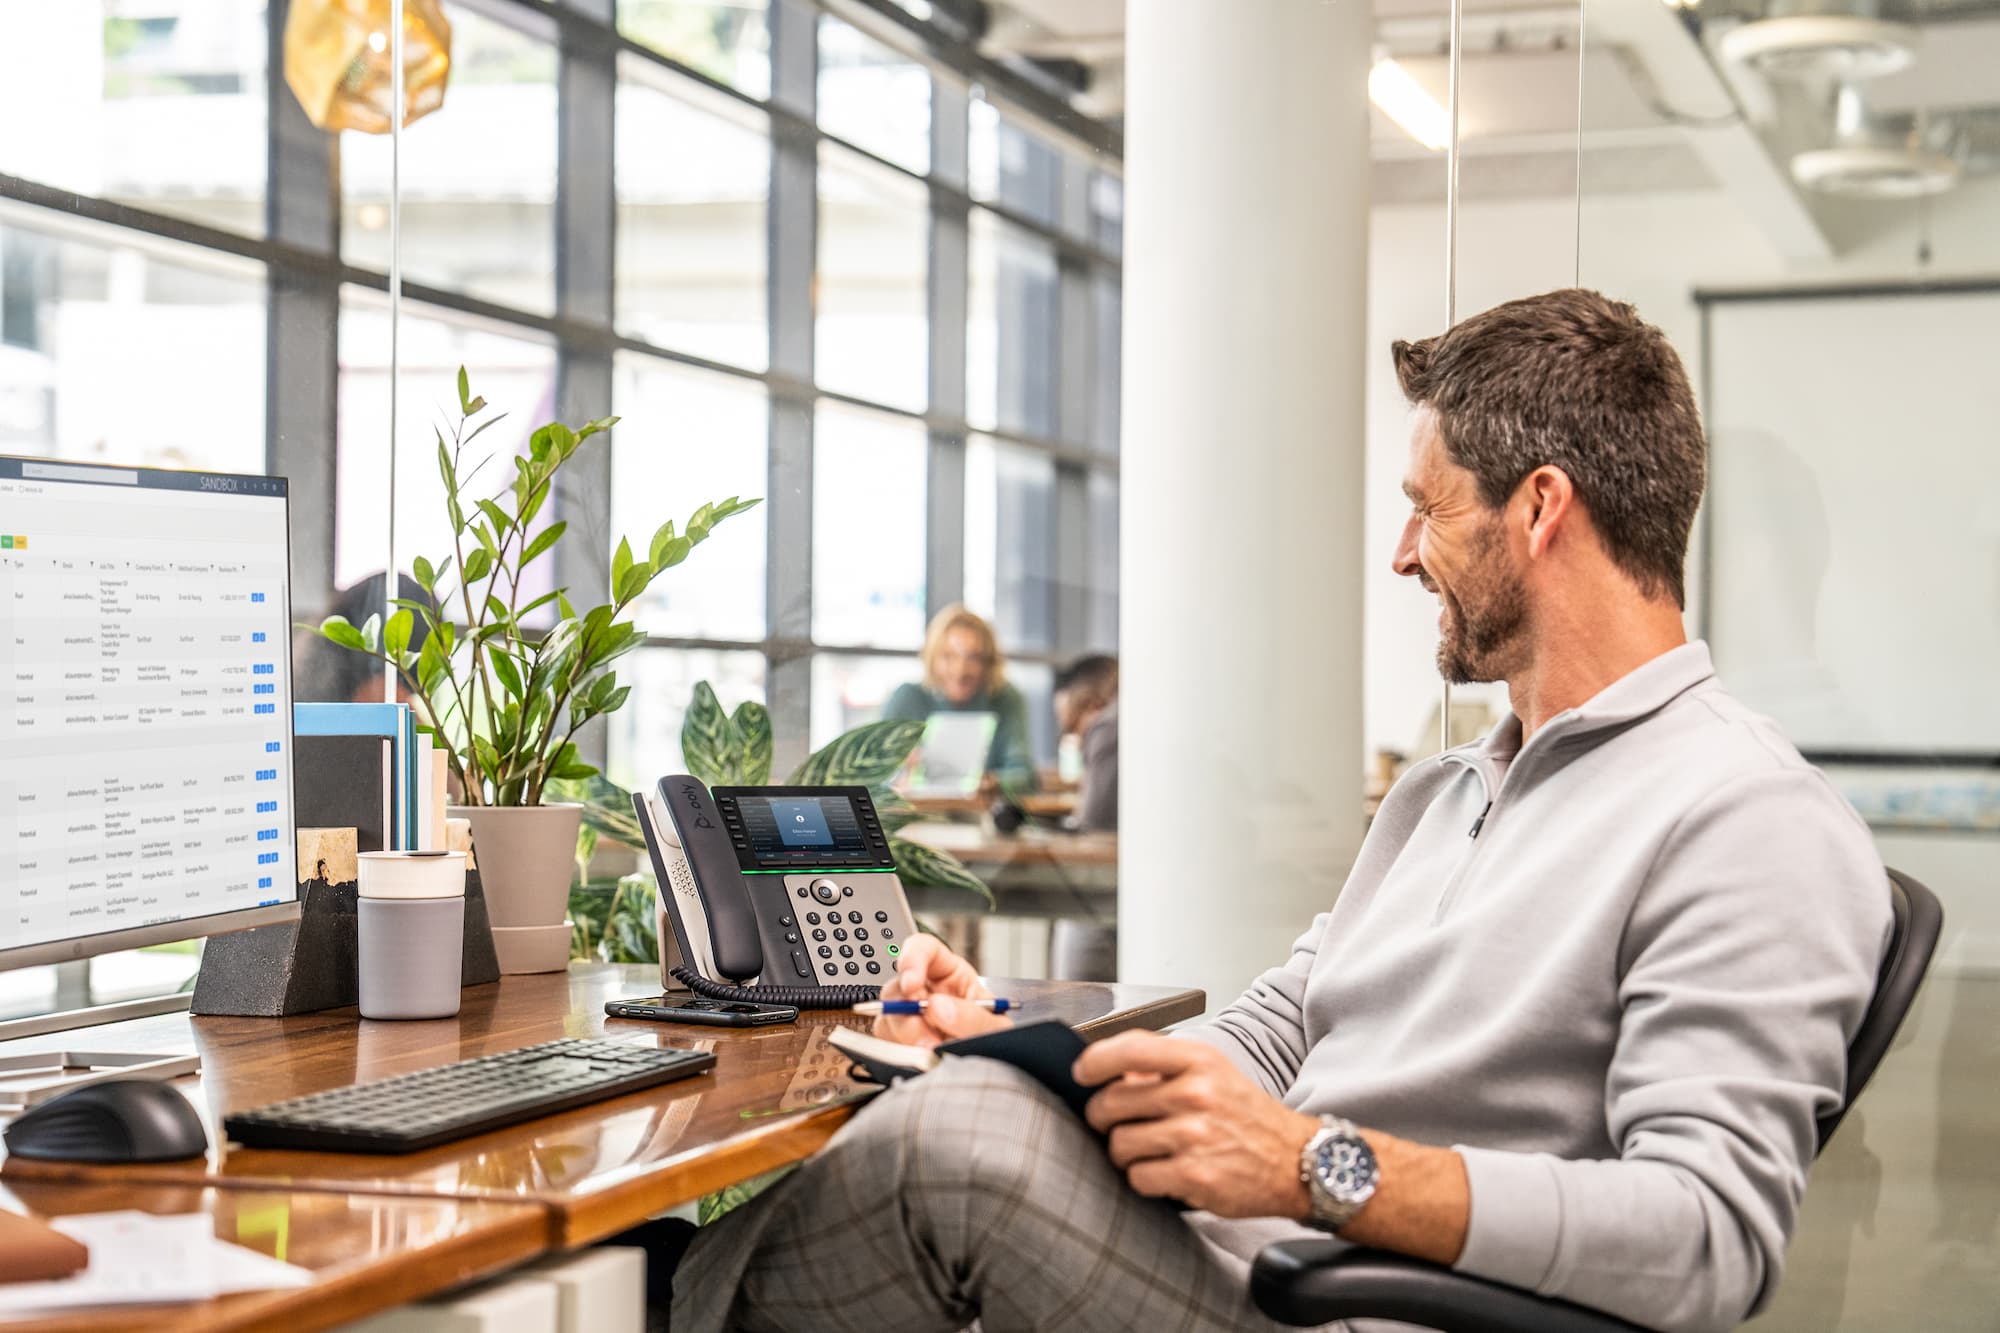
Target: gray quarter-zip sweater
(1616,967)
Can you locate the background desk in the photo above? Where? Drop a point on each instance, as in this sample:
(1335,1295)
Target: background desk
(366,1252)
(1035,872)
(593,1171)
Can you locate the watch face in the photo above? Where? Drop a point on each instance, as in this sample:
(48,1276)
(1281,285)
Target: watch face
(1346,1168)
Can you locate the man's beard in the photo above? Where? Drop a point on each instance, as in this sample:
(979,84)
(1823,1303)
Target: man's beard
(1485,617)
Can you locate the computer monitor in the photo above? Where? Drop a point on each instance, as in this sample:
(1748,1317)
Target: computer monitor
(145,708)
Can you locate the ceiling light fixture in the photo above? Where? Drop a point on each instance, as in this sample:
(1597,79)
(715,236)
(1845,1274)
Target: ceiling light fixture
(1402,99)
(1821,46)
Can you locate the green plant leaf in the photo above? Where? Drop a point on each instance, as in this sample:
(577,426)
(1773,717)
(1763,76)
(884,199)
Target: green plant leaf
(426,576)
(752,724)
(709,745)
(478,565)
(396,634)
(657,551)
(621,560)
(607,807)
(543,540)
(480,429)
(566,765)
(499,517)
(633,582)
(867,756)
(925,867)
(336,630)
(898,817)
(506,669)
(677,549)
(430,665)
(534,606)
(371,632)
(464,393)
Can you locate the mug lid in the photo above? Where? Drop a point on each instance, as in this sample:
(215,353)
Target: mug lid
(411,875)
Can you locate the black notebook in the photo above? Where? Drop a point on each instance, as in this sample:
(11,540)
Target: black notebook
(1045,1051)
(346,782)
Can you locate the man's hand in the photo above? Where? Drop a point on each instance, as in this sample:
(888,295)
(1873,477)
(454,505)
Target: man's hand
(926,970)
(1186,1124)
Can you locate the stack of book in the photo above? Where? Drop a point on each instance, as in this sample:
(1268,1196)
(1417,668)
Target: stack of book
(370,768)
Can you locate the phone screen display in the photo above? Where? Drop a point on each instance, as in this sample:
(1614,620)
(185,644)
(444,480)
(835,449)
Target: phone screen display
(803,831)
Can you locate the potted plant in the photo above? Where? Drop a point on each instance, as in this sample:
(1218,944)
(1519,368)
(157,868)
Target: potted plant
(507,682)
(617,920)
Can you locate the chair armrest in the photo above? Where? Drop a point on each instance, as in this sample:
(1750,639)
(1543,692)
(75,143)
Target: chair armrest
(1312,1281)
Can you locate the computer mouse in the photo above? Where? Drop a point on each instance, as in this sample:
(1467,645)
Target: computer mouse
(120,1120)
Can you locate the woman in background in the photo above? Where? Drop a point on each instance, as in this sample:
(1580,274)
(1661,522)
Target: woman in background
(964,672)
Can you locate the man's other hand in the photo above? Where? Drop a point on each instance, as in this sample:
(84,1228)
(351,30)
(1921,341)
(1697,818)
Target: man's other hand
(926,970)
(1185,1124)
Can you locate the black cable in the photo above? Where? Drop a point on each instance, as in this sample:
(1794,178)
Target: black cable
(800,997)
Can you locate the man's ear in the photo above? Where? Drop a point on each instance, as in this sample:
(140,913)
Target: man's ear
(1548,496)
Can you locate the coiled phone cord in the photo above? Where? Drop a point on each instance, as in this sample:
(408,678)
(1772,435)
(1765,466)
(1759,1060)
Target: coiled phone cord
(800,997)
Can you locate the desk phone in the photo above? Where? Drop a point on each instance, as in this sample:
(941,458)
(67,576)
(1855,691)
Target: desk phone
(781,895)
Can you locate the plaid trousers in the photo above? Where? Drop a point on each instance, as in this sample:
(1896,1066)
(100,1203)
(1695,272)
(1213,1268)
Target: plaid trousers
(969,1193)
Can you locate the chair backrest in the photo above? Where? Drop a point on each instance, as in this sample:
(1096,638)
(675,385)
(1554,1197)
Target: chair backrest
(1912,939)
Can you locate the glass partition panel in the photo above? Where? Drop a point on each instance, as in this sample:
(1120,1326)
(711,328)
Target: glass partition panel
(869,493)
(1010,540)
(848,691)
(870,332)
(1824,251)
(728,40)
(160,105)
(513,370)
(874,96)
(686,438)
(694,184)
(478,174)
(1408,139)
(1103,497)
(644,737)
(1011,165)
(120,347)
(1010,335)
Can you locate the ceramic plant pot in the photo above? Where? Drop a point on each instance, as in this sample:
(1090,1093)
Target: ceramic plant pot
(527,858)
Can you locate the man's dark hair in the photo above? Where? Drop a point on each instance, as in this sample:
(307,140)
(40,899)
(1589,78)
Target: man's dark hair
(1577,380)
(1095,671)
(325,672)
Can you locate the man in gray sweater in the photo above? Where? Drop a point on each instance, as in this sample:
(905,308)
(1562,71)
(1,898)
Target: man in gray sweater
(1568,1025)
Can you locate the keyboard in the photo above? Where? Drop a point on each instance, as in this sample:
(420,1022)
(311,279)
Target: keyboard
(415,1111)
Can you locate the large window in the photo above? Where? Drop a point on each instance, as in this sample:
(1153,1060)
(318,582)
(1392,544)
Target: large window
(821,258)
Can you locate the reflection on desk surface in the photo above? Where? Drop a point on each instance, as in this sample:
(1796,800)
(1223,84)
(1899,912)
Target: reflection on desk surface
(597,1168)
(365,1252)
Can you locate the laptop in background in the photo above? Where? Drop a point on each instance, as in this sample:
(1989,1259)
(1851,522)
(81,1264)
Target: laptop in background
(952,757)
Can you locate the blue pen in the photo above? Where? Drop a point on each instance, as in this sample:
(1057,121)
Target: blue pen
(875,1008)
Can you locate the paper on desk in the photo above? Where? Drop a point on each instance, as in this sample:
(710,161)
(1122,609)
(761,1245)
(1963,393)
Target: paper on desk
(140,1259)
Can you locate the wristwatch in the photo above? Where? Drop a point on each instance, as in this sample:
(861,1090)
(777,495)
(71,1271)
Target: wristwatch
(1339,1171)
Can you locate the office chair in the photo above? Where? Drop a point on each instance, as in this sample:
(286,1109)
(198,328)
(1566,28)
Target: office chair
(1314,1280)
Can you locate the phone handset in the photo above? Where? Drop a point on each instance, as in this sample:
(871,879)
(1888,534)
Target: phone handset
(685,941)
(714,921)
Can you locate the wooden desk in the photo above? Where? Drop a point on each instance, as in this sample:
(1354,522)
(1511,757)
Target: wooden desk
(1035,872)
(595,1170)
(1041,804)
(367,1253)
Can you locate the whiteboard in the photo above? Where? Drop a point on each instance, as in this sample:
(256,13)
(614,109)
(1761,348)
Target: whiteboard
(1853,585)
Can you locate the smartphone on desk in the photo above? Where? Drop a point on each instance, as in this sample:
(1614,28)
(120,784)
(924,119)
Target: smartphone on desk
(696,1009)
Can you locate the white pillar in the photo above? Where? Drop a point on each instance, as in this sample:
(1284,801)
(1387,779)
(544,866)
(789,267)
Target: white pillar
(1246,245)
